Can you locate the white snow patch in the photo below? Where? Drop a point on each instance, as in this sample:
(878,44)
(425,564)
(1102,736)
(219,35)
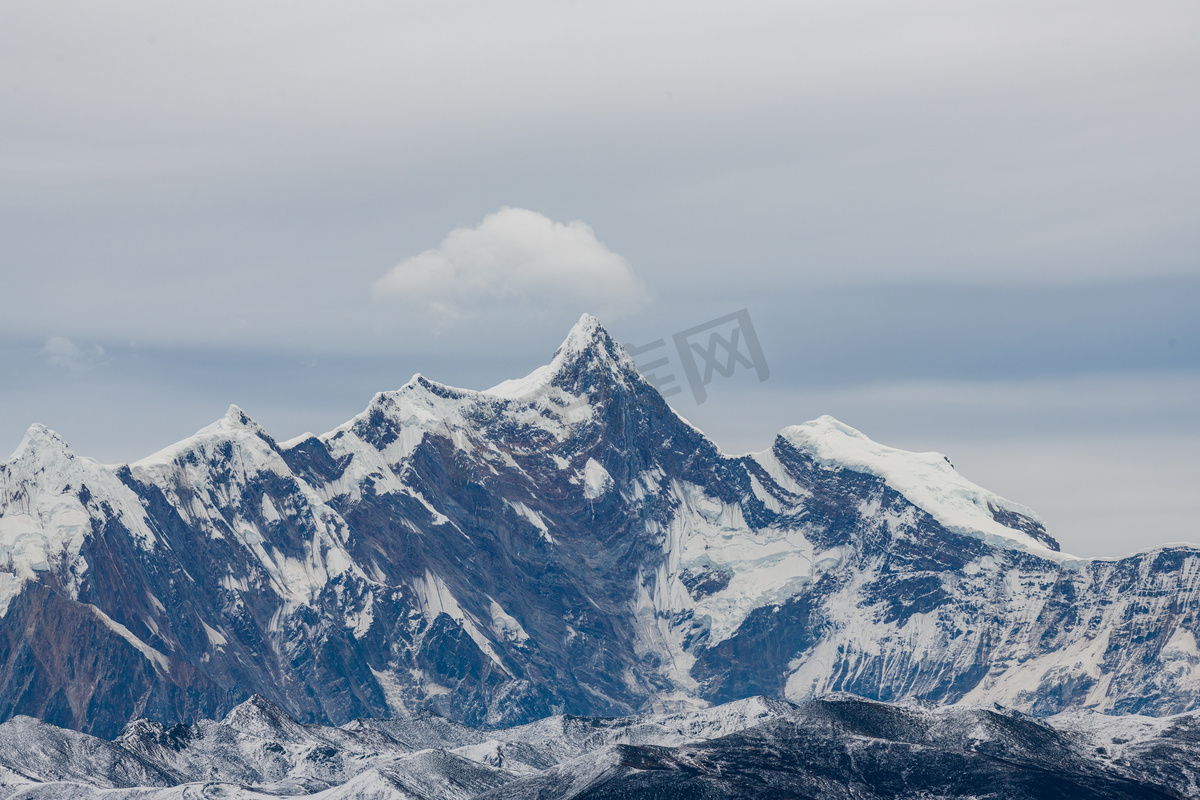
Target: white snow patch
(517,388)
(435,598)
(505,625)
(1181,646)
(153,656)
(596,480)
(269,512)
(215,638)
(362,621)
(393,692)
(533,517)
(492,752)
(438,517)
(290,443)
(10,587)
(232,584)
(766,498)
(1117,734)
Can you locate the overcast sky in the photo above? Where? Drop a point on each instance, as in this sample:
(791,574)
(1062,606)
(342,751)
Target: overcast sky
(965,227)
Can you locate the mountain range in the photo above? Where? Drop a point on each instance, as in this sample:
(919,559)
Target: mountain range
(837,748)
(559,544)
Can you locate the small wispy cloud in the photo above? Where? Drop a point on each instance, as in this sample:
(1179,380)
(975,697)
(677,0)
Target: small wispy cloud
(62,352)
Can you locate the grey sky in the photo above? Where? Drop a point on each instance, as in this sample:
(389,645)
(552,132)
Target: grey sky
(968,226)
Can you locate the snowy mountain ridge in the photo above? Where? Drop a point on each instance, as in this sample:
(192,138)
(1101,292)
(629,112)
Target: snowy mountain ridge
(834,747)
(928,480)
(559,543)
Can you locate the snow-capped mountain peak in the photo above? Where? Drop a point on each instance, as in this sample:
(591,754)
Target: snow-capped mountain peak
(234,427)
(50,499)
(41,447)
(235,419)
(587,350)
(262,718)
(930,481)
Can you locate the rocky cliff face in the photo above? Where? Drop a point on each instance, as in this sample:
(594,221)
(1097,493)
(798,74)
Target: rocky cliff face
(560,543)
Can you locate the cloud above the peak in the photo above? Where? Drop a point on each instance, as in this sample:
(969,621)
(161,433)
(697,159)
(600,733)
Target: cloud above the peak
(515,266)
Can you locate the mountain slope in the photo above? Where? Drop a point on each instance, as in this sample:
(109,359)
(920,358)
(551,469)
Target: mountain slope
(560,543)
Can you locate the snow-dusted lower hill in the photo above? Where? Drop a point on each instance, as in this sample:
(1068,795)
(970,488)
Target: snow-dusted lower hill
(836,747)
(563,543)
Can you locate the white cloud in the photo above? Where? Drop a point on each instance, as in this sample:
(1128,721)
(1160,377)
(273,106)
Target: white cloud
(62,352)
(515,266)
